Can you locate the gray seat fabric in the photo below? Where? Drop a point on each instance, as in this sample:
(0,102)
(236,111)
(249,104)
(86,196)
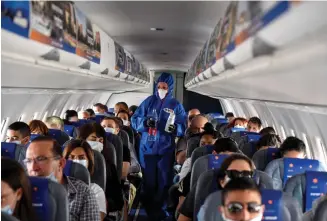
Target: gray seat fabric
(124,137)
(13,151)
(275,169)
(55,206)
(77,171)
(199,152)
(130,134)
(261,158)
(321,211)
(118,144)
(289,208)
(6,217)
(112,154)
(100,173)
(192,144)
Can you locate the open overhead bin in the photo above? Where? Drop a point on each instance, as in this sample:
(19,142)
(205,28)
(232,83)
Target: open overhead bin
(44,42)
(266,51)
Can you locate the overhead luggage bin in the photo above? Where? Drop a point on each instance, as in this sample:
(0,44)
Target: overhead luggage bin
(36,50)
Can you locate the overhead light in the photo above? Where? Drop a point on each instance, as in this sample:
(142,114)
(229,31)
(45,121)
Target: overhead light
(157,29)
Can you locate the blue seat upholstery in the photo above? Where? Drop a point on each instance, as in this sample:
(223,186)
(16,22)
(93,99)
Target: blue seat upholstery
(99,118)
(60,136)
(33,136)
(77,171)
(71,130)
(261,158)
(307,187)
(284,168)
(14,151)
(49,200)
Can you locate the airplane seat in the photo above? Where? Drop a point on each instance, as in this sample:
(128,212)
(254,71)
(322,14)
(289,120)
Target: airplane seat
(99,118)
(201,151)
(307,187)
(244,137)
(263,180)
(33,136)
(14,151)
(49,199)
(205,163)
(321,211)
(71,130)
(77,171)
(192,144)
(118,144)
(279,206)
(135,166)
(60,136)
(218,122)
(284,168)
(234,133)
(7,217)
(130,134)
(261,158)
(112,153)
(100,173)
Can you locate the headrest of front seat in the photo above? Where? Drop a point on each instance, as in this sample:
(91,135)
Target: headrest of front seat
(261,158)
(192,143)
(13,151)
(77,171)
(100,173)
(49,199)
(321,211)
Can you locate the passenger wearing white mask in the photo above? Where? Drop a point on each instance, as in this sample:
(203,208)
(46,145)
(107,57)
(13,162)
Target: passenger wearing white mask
(79,151)
(19,133)
(124,116)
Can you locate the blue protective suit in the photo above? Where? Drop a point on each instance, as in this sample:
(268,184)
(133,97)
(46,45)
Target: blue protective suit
(157,158)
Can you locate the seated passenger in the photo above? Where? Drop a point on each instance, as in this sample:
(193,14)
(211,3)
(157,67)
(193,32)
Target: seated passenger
(38,127)
(70,116)
(44,159)
(238,122)
(124,116)
(267,130)
(57,123)
(120,106)
(229,116)
(254,124)
(79,151)
(196,126)
(268,140)
(91,112)
(16,198)
(191,114)
(132,109)
(99,109)
(293,147)
(19,133)
(110,125)
(84,115)
(241,200)
(235,166)
(95,135)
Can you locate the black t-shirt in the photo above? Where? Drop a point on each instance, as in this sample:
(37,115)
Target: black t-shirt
(187,208)
(126,154)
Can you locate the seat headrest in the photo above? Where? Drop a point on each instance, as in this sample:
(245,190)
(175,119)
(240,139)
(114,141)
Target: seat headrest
(272,201)
(40,197)
(215,161)
(237,129)
(69,129)
(99,118)
(316,186)
(99,175)
(14,151)
(261,158)
(33,136)
(77,171)
(192,144)
(321,211)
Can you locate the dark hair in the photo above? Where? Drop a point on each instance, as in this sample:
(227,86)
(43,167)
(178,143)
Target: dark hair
(22,127)
(226,144)
(91,112)
(132,108)
(255,120)
(123,104)
(98,105)
(210,130)
(229,160)
(232,123)
(119,122)
(56,148)
(73,144)
(124,112)
(292,143)
(113,119)
(267,130)
(229,114)
(270,140)
(69,114)
(14,175)
(40,126)
(87,129)
(105,107)
(239,184)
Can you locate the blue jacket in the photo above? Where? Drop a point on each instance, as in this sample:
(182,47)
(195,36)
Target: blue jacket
(165,141)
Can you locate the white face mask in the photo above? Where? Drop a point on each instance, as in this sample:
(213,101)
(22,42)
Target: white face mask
(16,142)
(162,93)
(52,177)
(7,209)
(82,162)
(126,122)
(238,126)
(258,218)
(110,130)
(96,145)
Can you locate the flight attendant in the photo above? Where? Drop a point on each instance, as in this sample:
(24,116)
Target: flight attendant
(157,153)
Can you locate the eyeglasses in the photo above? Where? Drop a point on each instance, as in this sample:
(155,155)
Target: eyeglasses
(41,160)
(236,174)
(237,207)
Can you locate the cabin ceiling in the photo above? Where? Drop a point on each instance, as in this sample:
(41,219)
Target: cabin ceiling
(187,25)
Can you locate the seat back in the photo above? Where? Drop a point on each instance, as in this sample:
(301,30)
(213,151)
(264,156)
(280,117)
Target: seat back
(77,171)
(60,136)
(201,151)
(205,163)
(192,144)
(284,168)
(49,200)
(7,217)
(118,144)
(261,158)
(71,130)
(218,122)
(307,187)
(240,135)
(99,175)
(99,118)
(124,137)
(33,136)
(130,134)
(321,211)
(14,151)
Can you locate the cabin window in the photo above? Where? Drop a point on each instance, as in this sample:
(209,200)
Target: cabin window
(307,149)
(320,151)
(283,132)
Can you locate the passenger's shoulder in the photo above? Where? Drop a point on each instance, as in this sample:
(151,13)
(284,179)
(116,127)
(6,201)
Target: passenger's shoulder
(77,184)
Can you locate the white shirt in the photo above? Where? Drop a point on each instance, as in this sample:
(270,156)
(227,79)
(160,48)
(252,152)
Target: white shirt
(185,168)
(99,195)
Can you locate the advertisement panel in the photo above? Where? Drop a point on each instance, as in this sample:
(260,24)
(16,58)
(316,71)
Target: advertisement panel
(120,58)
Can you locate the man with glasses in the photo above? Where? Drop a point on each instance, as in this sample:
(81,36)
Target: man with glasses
(241,201)
(44,159)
